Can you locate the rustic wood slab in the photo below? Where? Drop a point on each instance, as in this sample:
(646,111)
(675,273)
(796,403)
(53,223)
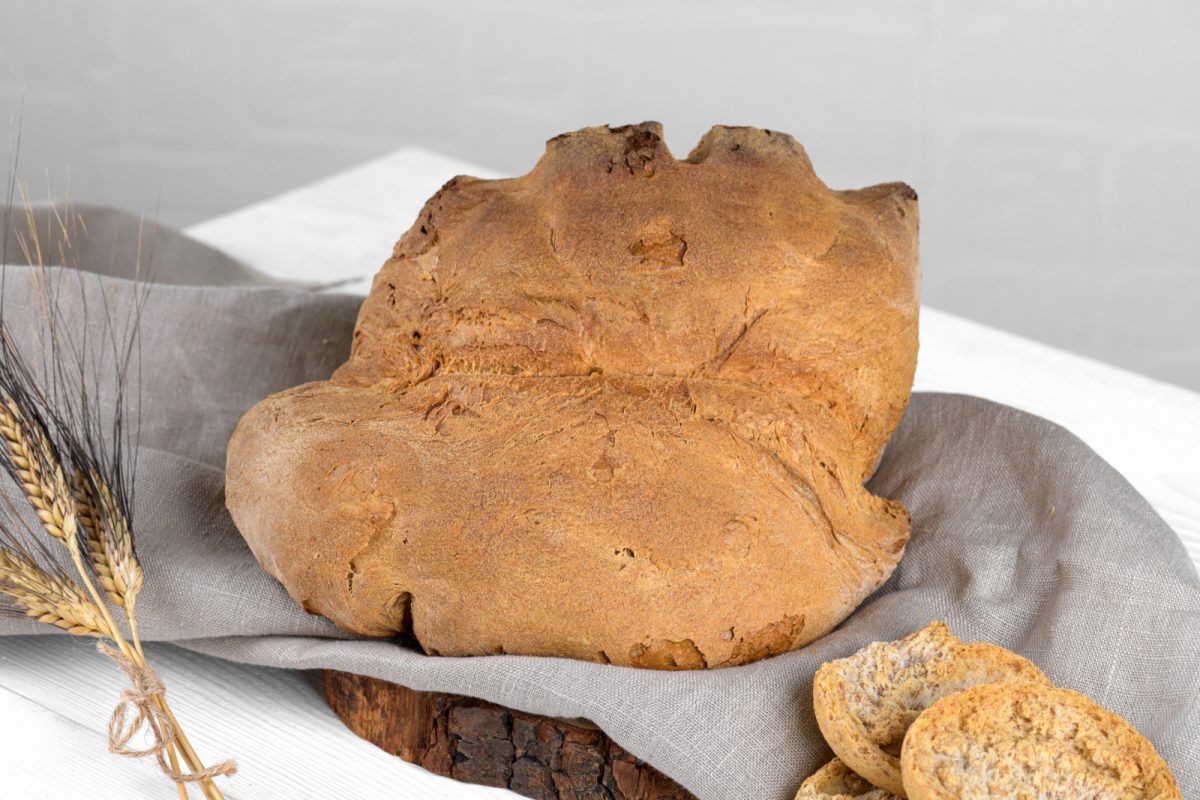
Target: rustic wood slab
(477,742)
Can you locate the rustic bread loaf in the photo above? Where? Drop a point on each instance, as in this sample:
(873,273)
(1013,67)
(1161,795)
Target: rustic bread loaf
(1029,740)
(618,409)
(836,781)
(865,703)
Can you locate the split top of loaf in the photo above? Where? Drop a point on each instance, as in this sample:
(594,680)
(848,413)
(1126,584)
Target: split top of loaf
(619,409)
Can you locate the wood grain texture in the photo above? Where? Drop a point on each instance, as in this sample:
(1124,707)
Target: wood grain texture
(477,742)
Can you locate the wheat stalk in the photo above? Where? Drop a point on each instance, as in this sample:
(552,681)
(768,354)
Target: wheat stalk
(38,470)
(46,437)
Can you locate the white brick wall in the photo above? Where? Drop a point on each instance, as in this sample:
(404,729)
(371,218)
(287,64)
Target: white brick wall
(1055,145)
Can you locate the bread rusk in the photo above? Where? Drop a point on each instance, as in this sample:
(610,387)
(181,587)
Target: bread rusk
(865,703)
(1029,740)
(836,781)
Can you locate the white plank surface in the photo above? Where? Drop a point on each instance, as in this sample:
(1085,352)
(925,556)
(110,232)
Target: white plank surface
(56,695)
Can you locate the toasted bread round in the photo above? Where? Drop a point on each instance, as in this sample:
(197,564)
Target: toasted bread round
(836,781)
(865,703)
(1019,739)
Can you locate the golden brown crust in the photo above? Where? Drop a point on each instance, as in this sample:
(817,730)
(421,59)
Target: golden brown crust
(865,703)
(836,781)
(617,409)
(1029,740)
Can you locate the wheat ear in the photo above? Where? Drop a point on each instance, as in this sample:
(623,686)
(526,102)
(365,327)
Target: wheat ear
(49,599)
(108,542)
(37,470)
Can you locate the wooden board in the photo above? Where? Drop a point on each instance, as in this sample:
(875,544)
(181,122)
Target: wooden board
(477,742)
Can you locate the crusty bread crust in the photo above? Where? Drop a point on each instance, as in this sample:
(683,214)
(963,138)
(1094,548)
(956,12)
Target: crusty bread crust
(836,781)
(865,703)
(618,409)
(1029,740)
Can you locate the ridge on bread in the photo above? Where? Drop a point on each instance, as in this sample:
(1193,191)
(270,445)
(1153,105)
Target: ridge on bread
(866,702)
(618,409)
(1022,739)
(836,781)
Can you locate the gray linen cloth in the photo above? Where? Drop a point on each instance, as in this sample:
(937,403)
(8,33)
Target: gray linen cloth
(1022,536)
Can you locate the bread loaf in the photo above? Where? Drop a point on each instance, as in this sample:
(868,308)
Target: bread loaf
(618,409)
(1019,739)
(865,703)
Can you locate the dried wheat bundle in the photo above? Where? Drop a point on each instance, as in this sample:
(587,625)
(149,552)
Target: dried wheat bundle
(72,462)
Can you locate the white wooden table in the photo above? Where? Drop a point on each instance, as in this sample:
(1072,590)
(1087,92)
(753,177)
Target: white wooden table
(288,743)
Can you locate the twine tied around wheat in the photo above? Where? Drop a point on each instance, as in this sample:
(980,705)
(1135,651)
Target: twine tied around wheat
(150,718)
